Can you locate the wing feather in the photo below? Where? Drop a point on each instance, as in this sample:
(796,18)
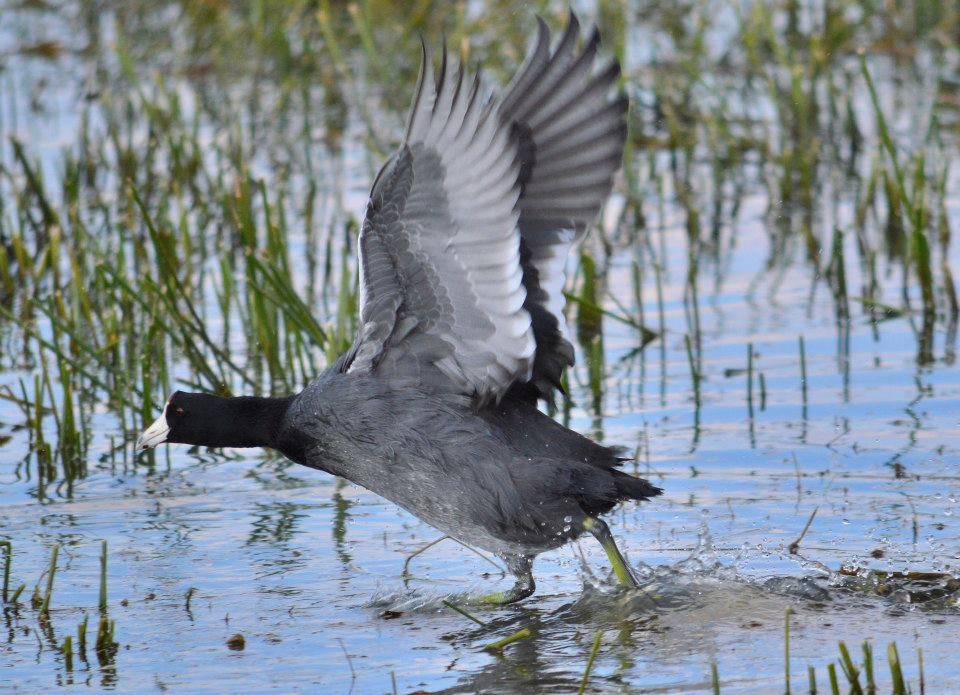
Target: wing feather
(442,291)
(464,244)
(571,127)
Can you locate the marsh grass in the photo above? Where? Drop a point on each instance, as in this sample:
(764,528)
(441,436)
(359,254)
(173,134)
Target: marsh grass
(67,649)
(466,614)
(103,577)
(499,645)
(590,660)
(852,671)
(7,559)
(158,255)
(51,574)
(106,645)
(82,637)
(786,650)
(192,232)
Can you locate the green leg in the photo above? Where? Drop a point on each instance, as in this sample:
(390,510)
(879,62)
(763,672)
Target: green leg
(522,569)
(601,532)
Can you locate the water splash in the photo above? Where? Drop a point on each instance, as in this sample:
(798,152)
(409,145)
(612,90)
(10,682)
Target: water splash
(704,575)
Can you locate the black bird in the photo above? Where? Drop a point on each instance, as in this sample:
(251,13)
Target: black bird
(462,256)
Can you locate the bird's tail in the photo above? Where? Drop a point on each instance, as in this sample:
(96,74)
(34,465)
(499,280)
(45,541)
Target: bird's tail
(631,488)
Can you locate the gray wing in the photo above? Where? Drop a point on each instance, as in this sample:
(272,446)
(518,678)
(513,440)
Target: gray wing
(441,283)
(571,131)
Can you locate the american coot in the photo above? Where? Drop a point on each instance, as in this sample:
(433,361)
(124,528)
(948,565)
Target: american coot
(462,257)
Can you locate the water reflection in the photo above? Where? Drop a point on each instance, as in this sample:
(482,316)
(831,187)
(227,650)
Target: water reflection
(341,517)
(275,523)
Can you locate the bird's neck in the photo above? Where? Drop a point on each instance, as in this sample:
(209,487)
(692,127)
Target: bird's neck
(241,421)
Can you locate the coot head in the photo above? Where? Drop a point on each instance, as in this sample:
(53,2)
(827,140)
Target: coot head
(186,419)
(203,419)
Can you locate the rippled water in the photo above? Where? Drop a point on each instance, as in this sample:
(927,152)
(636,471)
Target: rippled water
(309,568)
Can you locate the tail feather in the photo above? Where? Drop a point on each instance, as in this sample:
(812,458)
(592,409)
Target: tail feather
(598,493)
(631,488)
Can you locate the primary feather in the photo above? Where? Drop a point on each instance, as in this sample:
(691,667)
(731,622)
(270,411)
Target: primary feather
(469,224)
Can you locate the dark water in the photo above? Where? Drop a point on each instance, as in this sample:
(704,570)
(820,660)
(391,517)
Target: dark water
(308,568)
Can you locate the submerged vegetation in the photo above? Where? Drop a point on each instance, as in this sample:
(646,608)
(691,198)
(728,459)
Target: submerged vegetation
(105,645)
(181,184)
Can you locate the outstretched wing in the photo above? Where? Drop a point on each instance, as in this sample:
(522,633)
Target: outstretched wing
(441,283)
(571,131)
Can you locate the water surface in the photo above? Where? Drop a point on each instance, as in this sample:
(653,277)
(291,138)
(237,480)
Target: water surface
(308,568)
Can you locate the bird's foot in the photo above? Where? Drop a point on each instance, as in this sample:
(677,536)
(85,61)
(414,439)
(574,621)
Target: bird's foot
(522,569)
(520,591)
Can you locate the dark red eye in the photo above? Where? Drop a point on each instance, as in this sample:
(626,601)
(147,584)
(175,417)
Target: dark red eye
(179,411)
